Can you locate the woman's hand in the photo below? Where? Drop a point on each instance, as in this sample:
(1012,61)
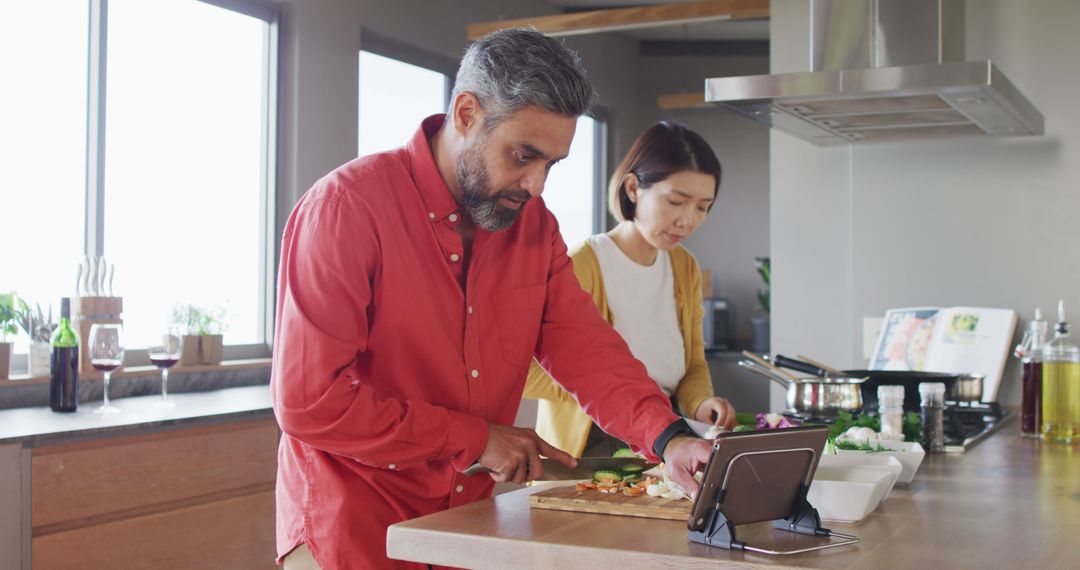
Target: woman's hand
(716,411)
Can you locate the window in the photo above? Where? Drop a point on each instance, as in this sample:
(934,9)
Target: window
(574,191)
(42,149)
(183,163)
(144,135)
(394,97)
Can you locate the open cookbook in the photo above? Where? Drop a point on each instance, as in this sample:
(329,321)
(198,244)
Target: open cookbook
(955,339)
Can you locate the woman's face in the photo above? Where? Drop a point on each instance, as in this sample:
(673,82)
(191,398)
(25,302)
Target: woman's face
(667,212)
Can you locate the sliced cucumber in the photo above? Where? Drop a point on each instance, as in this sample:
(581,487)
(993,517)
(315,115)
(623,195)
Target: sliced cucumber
(632,468)
(623,452)
(744,427)
(631,478)
(607,476)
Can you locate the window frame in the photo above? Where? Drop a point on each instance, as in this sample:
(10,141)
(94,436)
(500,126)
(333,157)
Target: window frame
(96,123)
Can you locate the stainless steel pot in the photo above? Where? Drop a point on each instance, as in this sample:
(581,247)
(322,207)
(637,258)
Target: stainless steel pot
(812,396)
(968,388)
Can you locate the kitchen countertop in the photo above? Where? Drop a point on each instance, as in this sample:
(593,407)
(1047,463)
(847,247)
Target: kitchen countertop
(1006,503)
(40,424)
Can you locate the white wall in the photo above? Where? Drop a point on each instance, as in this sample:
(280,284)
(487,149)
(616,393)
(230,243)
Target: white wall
(988,222)
(320,42)
(737,229)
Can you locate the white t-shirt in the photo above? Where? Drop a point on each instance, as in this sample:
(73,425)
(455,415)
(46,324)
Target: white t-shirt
(642,300)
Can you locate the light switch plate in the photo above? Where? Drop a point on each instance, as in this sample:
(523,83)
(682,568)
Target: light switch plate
(871,328)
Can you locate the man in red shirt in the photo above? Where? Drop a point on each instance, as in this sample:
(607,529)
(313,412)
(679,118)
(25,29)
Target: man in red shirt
(415,288)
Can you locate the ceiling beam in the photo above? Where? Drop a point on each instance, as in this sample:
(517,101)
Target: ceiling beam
(683,101)
(631,18)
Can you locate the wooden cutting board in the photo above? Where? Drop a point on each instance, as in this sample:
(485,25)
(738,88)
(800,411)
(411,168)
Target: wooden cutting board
(567,498)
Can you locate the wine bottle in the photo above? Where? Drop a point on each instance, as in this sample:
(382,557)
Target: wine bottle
(64,364)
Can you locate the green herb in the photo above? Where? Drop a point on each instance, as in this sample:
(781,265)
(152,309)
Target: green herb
(912,427)
(864,446)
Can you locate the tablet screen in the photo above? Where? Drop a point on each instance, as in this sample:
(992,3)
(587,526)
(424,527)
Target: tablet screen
(755,476)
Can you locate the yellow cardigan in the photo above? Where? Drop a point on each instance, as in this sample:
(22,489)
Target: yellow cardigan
(560,420)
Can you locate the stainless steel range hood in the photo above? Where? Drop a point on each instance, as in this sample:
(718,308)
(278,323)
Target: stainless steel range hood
(883,70)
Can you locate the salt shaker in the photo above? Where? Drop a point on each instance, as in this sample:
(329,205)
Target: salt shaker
(891,411)
(933,409)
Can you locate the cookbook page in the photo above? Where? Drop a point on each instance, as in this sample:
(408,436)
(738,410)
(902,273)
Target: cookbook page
(904,339)
(973,340)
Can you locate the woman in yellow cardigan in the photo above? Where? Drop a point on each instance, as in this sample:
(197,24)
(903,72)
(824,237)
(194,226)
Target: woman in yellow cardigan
(646,285)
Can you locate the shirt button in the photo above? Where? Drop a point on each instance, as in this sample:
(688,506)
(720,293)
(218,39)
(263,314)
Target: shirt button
(459,488)
(431,215)
(470,309)
(391,466)
(453,217)
(454,257)
(475,373)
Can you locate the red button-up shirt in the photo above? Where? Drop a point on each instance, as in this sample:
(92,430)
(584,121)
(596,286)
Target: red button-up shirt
(386,372)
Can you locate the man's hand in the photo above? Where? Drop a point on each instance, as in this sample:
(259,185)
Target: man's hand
(716,411)
(513,454)
(684,456)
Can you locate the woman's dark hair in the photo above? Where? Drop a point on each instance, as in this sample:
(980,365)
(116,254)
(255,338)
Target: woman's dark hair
(664,149)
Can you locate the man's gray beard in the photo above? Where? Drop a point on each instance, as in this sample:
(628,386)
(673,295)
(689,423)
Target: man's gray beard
(484,209)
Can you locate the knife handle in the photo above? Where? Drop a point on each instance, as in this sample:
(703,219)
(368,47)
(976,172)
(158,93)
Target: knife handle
(474,469)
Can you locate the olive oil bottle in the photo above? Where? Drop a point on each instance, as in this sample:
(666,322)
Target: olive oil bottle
(1061,385)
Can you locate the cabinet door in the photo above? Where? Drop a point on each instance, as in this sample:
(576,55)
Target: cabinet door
(190,497)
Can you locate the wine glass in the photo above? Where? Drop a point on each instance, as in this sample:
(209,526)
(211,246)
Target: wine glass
(106,355)
(165,357)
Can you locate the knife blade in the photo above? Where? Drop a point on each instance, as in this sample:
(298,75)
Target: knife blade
(586,467)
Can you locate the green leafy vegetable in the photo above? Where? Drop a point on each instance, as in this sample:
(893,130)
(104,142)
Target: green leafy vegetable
(913,427)
(864,446)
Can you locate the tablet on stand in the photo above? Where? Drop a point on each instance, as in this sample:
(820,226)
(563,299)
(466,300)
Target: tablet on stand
(758,476)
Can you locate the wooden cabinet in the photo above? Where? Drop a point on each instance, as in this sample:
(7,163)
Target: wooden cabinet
(198,497)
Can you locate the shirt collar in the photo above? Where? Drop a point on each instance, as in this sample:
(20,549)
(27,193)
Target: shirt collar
(436,195)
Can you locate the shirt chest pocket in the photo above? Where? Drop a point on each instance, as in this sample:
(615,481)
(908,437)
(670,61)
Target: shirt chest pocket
(517,315)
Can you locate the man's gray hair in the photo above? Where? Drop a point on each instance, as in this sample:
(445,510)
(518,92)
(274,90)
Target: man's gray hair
(513,68)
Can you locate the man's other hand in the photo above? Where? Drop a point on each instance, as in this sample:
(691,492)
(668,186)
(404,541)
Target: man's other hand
(513,454)
(684,456)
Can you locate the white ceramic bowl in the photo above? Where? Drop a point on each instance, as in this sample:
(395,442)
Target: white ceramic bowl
(910,454)
(847,494)
(874,461)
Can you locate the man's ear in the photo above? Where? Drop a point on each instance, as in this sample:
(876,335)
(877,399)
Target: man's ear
(630,182)
(466,113)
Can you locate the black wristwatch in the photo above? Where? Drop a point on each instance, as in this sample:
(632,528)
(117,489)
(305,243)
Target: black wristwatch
(677,427)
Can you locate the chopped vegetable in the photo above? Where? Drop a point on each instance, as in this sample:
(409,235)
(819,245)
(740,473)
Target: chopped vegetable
(772,421)
(745,418)
(743,427)
(606,476)
(632,468)
(624,452)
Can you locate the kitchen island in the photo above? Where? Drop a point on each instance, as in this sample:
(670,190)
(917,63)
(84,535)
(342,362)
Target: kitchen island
(184,487)
(1006,503)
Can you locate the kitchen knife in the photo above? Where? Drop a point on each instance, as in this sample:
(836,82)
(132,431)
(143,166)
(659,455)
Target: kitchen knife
(102,269)
(586,467)
(100,285)
(86,277)
(91,283)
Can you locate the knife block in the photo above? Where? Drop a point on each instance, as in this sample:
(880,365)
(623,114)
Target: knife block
(90,311)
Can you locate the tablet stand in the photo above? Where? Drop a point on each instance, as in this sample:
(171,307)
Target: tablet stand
(720,532)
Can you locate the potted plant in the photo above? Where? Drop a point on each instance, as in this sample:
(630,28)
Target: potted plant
(203,343)
(10,308)
(39,326)
(759,324)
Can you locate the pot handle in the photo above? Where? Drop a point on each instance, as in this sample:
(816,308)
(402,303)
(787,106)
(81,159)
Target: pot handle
(799,365)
